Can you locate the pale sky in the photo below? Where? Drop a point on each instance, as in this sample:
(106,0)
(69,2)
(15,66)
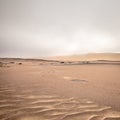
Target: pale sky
(34,28)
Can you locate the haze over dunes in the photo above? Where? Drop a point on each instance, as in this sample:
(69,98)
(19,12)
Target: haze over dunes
(58,27)
(59,59)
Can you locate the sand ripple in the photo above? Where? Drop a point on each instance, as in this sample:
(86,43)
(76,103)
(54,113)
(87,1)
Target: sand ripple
(44,107)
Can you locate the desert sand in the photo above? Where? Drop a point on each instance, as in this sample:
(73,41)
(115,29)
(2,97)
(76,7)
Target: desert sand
(88,57)
(33,89)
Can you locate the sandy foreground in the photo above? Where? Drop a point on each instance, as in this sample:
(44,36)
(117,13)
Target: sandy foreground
(53,90)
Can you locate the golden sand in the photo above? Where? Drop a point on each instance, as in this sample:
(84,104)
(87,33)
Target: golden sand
(39,90)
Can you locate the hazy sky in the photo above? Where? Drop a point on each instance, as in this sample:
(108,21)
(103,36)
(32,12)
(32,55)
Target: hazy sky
(34,28)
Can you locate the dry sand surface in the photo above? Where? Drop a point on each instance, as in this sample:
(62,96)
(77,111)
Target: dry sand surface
(53,90)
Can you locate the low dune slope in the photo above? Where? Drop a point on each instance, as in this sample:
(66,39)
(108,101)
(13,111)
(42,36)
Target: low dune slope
(89,57)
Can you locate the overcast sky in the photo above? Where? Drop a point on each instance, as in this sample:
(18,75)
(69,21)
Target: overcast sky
(34,28)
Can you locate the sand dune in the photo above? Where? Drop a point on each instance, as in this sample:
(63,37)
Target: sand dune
(89,57)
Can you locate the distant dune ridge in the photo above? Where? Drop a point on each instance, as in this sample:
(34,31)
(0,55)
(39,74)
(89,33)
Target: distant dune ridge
(89,57)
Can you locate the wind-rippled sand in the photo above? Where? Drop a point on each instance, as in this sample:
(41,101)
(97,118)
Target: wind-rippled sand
(25,106)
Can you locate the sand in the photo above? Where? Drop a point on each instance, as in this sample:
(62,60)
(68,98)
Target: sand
(50,90)
(88,57)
